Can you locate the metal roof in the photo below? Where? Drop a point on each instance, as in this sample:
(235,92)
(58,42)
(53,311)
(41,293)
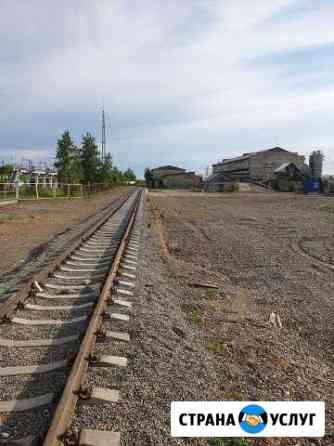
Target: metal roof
(246,156)
(282,167)
(178,173)
(168,168)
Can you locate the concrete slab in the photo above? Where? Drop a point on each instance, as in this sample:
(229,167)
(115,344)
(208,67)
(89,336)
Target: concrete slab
(37,342)
(104,394)
(123,303)
(18,320)
(106,360)
(120,317)
(126,283)
(118,335)
(26,404)
(99,438)
(32,369)
(125,292)
(128,275)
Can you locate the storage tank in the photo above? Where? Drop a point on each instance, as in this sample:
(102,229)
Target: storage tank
(316,162)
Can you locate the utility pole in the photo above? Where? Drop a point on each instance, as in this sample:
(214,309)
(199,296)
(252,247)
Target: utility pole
(103,137)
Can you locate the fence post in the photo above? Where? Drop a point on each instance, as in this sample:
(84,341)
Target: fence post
(54,191)
(17,191)
(36,188)
(68,190)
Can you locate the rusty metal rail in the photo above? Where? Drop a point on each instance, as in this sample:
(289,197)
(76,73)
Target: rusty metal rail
(26,287)
(61,420)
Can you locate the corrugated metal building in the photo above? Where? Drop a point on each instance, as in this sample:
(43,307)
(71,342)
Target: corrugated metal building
(182,180)
(175,177)
(258,166)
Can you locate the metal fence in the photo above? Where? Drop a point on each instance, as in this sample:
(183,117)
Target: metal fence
(39,191)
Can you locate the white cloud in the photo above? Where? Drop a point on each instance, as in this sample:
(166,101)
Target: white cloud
(180,80)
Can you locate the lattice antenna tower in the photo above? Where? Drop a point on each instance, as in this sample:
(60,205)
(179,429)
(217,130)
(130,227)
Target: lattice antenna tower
(103,154)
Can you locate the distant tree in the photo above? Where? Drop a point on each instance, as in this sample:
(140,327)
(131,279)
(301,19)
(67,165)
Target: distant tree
(130,175)
(84,164)
(148,177)
(67,159)
(90,159)
(6,170)
(106,171)
(118,176)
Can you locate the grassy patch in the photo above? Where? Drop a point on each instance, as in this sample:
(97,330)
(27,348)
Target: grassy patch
(228,442)
(216,347)
(3,291)
(6,217)
(196,317)
(212,293)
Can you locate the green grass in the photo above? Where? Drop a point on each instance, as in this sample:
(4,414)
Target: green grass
(196,317)
(212,293)
(7,217)
(235,187)
(216,347)
(3,291)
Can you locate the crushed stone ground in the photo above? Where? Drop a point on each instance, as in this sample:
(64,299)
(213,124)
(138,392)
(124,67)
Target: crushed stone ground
(191,343)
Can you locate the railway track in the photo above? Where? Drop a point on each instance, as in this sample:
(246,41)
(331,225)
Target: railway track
(49,331)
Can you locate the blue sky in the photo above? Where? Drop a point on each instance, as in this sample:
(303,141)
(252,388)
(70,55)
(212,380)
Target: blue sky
(183,83)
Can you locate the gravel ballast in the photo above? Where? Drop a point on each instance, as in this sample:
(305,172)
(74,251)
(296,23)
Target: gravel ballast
(194,343)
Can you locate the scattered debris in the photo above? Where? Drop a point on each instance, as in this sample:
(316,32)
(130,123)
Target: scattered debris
(37,285)
(204,285)
(274,319)
(179,332)
(173,247)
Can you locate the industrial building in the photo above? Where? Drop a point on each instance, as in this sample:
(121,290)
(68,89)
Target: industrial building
(175,178)
(258,166)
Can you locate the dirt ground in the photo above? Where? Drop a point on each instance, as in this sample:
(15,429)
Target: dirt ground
(267,253)
(32,230)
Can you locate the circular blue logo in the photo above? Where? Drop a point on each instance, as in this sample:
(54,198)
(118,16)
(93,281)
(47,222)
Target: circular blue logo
(253,419)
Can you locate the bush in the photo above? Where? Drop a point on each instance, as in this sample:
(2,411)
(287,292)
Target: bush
(196,317)
(292,186)
(235,187)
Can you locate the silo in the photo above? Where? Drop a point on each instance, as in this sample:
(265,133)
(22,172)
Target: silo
(316,162)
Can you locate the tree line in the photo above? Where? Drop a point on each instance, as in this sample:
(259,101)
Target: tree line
(83,164)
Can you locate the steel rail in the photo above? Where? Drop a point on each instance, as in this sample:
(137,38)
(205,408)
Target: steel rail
(9,306)
(67,403)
